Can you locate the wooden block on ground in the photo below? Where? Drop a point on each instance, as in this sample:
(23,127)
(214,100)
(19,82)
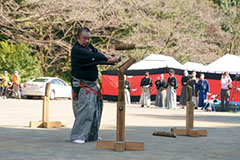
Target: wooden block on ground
(119,146)
(106,145)
(202,132)
(166,134)
(179,132)
(193,133)
(55,124)
(134,146)
(36,124)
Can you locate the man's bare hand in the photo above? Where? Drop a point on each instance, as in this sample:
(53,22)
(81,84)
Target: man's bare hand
(113,60)
(108,56)
(208,93)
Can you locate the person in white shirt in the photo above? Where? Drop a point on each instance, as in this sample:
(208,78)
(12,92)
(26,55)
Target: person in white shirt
(127,91)
(226,82)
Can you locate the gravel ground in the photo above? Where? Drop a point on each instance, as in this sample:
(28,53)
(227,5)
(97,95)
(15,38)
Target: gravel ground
(18,141)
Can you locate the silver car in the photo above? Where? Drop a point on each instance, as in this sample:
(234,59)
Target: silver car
(37,86)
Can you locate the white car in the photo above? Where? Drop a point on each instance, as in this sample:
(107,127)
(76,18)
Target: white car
(37,86)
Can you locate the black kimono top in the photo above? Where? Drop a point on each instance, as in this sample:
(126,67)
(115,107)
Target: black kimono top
(161,84)
(193,83)
(185,80)
(146,81)
(82,56)
(127,84)
(172,81)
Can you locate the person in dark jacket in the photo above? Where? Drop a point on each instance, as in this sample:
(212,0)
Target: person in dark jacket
(171,101)
(193,83)
(146,83)
(203,90)
(161,85)
(184,81)
(87,101)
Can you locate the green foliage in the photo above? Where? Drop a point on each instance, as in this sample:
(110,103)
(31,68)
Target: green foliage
(66,76)
(184,29)
(231,24)
(2,37)
(161,15)
(225,26)
(21,2)
(18,58)
(227,3)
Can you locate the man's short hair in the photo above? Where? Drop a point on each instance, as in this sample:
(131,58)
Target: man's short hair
(80,30)
(171,71)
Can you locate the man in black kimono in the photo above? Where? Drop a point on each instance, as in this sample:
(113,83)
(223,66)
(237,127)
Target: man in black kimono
(161,85)
(172,89)
(193,83)
(146,83)
(185,82)
(87,100)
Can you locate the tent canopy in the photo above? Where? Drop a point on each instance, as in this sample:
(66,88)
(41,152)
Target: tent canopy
(193,66)
(154,61)
(229,63)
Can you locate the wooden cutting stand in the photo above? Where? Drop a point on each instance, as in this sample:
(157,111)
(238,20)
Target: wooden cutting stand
(45,123)
(189,130)
(120,145)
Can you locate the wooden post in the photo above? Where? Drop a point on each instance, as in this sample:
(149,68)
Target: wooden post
(189,115)
(121,109)
(189,130)
(189,93)
(120,145)
(45,113)
(46,99)
(124,46)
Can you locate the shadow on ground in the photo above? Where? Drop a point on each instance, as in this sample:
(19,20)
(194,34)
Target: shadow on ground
(25,143)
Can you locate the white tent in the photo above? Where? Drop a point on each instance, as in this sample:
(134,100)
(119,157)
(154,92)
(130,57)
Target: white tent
(229,63)
(190,66)
(154,61)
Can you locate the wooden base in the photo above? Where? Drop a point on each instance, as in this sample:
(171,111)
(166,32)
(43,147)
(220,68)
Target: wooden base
(166,134)
(190,132)
(120,146)
(40,124)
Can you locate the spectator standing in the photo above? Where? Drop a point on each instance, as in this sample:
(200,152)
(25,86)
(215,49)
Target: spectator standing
(171,101)
(5,81)
(127,90)
(146,83)
(184,81)
(203,89)
(161,85)
(16,83)
(226,83)
(193,83)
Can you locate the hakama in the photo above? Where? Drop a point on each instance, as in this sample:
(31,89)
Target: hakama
(87,107)
(145,96)
(171,101)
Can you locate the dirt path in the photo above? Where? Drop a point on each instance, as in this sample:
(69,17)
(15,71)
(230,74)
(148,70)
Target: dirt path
(18,141)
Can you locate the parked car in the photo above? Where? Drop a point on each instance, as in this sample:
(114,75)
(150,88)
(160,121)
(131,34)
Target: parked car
(37,86)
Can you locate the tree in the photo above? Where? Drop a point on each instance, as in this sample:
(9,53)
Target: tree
(19,58)
(185,29)
(231,24)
